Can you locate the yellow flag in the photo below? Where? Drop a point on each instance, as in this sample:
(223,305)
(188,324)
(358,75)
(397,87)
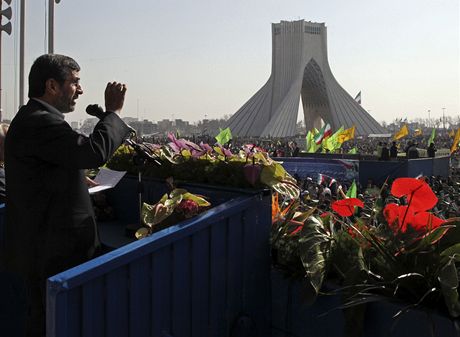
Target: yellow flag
(346,135)
(456,140)
(401,133)
(417,132)
(451,133)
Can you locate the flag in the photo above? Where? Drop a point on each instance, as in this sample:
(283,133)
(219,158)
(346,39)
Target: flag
(403,132)
(417,132)
(358,98)
(456,140)
(332,143)
(347,134)
(431,139)
(224,136)
(353,151)
(310,143)
(451,133)
(327,180)
(325,132)
(352,191)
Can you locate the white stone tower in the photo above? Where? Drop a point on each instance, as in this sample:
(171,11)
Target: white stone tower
(300,68)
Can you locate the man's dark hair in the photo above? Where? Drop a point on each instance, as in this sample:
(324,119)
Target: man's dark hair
(57,67)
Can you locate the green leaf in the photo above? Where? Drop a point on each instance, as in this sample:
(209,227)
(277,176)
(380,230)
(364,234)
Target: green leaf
(177,191)
(448,279)
(154,214)
(142,233)
(315,248)
(202,202)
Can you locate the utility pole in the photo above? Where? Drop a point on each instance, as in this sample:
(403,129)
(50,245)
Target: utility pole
(7,13)
(22,30)
(443,119)
(51,25)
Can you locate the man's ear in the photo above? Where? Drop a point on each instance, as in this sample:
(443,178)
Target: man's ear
(51,86)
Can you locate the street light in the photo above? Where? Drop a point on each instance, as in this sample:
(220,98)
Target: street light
(443,120)
(7,13)
(51,25)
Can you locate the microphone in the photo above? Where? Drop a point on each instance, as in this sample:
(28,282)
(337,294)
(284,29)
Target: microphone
(143,152)
(95,110)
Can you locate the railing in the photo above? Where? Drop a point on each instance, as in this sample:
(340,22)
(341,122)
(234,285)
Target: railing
(192,279)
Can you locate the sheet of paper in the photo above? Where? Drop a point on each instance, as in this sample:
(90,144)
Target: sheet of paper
(106,179)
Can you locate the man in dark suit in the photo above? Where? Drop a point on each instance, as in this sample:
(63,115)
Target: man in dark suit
(50,222)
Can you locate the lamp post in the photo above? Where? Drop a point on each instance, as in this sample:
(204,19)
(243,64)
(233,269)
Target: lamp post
(7,13)
(429,118)
(443,119)
(51,25)
(22,31)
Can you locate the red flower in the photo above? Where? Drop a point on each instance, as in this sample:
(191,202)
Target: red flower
(419,195)
(426,221)
(188,208)
(346,207)
(399,217)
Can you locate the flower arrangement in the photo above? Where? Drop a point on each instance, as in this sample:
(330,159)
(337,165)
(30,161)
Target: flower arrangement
(249,167)
(394,249)
(173,207)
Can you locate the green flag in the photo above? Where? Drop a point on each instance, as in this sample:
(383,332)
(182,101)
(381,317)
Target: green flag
(310,143)
(431,139)
(353,151)
(352,191)
(224,136)
(332,143)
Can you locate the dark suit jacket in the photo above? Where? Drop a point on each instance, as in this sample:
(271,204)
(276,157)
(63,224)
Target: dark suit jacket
(50,223)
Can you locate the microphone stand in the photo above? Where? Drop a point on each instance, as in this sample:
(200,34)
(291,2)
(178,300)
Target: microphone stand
(142,156)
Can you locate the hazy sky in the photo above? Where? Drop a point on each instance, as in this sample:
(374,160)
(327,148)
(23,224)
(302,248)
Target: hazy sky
(195,59)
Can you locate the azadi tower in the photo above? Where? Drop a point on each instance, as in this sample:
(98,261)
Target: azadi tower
(300,68)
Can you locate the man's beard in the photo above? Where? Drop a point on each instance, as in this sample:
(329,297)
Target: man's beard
(64,105)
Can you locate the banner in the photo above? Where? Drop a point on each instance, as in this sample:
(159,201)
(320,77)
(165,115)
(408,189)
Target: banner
(403,132)
(347,134)
(224,136)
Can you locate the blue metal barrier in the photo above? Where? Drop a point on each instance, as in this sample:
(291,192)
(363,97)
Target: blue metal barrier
(2,223)
(192,279)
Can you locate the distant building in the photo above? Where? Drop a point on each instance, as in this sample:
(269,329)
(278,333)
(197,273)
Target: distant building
(165,125)
(88,125)
(74,125)
(144,127)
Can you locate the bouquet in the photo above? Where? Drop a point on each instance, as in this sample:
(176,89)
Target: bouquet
(395,249)
(249,167)
(172,208)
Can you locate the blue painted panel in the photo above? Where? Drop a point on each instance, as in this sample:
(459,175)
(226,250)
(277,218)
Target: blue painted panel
(75,312)
(117,310)
(340,169)
(218,278)
(441,166)
(140,297)
(423,166)
(2,224)
(379,171)
(200,282)
(93,308)
(235,267)
(181,294)
(161,291)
